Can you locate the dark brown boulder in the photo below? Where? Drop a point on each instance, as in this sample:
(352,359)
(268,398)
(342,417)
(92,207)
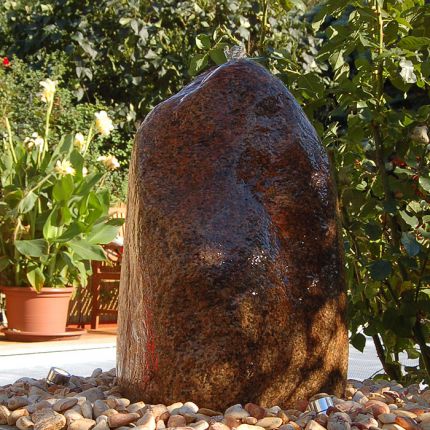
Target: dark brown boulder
(232,287)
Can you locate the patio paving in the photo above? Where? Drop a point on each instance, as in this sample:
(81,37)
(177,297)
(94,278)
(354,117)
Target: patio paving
(96,348)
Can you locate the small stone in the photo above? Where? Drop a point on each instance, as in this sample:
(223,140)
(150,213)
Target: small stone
(392,427)
(424,418)
(14,415)
(314,425)
(187,407)
(101,418)
(72,415)
(377,407)
(237,412)
(249,427)
(96,372)
(219,426)
(250,420)
(350,391)
(283,416)
(65,404)
(339,421)
(99,407)
(110,412)
(359,397)
(160,425)
(17,402)
(174,406)
(93,394)
(148,421)
(102,425)
(4,413)
(365,421)
(84,424)
(24,423)
(269,422)
(135,407)
(305,418)
(119,420)
(407,423)
(208,412)
(87,409)
(273,411)
(387,418)
(255,410)
(231,422)
(176,421)
(122,403)
(290,426)
(158,410)
(321,419)
(47,419)
(403,413)
(200,425)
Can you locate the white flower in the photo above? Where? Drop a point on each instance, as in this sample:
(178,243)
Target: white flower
(79,141)
(49,87)
(407,72)
(419,134)
(34,141)
(109,161)
(103,123)
(84,171)
(64,168)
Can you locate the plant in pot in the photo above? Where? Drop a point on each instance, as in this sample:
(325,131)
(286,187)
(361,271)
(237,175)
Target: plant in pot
(54,217)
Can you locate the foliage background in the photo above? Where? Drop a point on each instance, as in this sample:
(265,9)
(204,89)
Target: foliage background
(361,71)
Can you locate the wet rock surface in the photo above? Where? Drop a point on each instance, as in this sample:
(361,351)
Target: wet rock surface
(408,409)
(232,285)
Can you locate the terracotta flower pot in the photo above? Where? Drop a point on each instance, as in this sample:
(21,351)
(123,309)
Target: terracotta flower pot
(41,313)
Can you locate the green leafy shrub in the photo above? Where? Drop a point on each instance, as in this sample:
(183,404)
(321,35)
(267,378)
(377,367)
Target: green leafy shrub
(19,84)
(364,84)
(372,109)
(52,218)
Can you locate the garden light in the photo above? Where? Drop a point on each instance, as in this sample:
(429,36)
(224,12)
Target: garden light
(57,376)
(320,405)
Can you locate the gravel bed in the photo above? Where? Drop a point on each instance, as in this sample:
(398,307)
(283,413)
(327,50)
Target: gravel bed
(96,403)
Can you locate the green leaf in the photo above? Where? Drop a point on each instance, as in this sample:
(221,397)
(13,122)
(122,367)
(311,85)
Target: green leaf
(217,55)
(380,270)
(4,263)
(61,151)
(198,62)
(412,247)
(203,41)
(413,43)
(410,220)
(88,183)
(74,230)
(51,228)
(103,233)
(32,248)
(87,251)
(358,341)
(336,59)
(36,278)
(63,188)
(27,203)
(425,183)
